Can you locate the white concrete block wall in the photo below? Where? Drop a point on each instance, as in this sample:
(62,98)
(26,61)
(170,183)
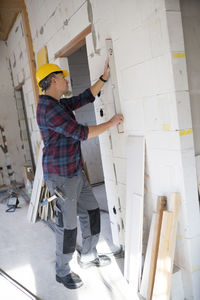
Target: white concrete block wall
(9,121)
(158,79)
(190,20)
(21,74)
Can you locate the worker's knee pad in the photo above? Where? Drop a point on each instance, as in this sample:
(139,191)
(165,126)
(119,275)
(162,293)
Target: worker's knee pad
(69,240)
(94,216)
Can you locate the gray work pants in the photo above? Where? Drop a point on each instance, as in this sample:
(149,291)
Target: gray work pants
(78,200)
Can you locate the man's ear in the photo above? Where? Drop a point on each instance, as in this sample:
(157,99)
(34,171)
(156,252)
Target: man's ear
(53,80)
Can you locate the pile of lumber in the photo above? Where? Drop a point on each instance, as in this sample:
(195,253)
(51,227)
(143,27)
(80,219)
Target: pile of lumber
(159,260)
(39,194)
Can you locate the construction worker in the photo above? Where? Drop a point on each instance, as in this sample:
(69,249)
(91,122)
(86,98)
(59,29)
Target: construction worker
(63,169)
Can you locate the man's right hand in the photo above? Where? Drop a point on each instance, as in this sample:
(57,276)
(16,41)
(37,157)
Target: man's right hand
(98,129)
(116,120)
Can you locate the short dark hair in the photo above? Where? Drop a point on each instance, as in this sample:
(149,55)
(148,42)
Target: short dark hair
(46,82)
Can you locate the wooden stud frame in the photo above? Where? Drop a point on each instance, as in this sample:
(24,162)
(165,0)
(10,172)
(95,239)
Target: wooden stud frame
(30,52)
(75,43)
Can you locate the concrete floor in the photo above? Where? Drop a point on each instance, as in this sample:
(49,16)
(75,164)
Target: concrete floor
(27,254)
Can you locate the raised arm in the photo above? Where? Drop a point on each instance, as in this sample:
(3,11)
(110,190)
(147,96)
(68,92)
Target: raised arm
(96,87)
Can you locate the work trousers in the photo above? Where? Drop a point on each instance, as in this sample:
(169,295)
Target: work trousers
(78,201)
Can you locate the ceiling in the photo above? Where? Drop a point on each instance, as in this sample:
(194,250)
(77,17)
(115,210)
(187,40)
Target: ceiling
(9,10)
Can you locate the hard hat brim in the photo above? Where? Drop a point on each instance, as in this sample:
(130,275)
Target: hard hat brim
(65,73)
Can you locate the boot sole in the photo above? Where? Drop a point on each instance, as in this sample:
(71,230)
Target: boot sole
(89,265)
(71,287)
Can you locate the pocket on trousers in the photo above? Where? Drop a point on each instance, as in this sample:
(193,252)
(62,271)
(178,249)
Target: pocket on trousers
(58,216)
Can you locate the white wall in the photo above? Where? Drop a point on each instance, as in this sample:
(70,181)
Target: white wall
(9,121)
(191,26)
(153,85)
(21,74)
(190,11)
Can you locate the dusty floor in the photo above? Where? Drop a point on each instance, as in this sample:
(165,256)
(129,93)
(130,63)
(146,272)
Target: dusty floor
(27,254)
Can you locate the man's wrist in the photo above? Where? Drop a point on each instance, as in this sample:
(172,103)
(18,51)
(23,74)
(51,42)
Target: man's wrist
(102,79)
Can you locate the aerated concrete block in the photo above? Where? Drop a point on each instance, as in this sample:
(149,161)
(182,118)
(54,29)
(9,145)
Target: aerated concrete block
(119,145)
(179,72)
(108,167)
(177,292)
(172,5)
(175,31)
(158,33)
(105,140)
(164,74)
(133,112)
(136,52)
(149,7)
(140,81)
(183,110)
(190,262)
(120,166)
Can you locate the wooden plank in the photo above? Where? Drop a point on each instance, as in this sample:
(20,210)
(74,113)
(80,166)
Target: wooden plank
(161,206)
(11,5)
(152,251)
(113,75)
(75,43)
(162,284)
(7,20)
(147,263)
(37,186)
(30,52)
(163,262)
(134,210)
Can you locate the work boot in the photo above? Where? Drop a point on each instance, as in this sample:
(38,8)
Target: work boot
(71,281)
(100,261)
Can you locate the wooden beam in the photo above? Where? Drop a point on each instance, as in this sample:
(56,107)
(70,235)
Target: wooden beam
(75,44)
(7,20)
(165,261)
(152,250)
(161,206)
(30,52)
(17,5)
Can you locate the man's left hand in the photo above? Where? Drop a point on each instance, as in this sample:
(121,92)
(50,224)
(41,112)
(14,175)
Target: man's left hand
(106,73)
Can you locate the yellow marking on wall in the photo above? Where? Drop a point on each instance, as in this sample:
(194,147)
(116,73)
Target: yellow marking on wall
(194,269)
(166,127)
(180,237)
(178,54)
(154,22)
(185,132)
(42,58)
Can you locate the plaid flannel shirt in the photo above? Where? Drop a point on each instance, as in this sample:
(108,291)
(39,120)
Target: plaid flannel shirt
(62,134)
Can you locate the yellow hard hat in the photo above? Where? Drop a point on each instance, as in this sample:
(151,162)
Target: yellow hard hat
(47,69)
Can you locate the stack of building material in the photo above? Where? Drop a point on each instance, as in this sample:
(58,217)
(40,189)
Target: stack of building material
(39,194)
(158,267)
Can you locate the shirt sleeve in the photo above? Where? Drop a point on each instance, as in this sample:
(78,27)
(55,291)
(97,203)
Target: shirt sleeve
(76,102)
(59,121)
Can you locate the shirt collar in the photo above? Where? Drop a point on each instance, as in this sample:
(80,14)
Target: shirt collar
(48,97)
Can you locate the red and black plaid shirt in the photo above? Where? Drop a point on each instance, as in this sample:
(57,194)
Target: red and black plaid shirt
(62,134)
